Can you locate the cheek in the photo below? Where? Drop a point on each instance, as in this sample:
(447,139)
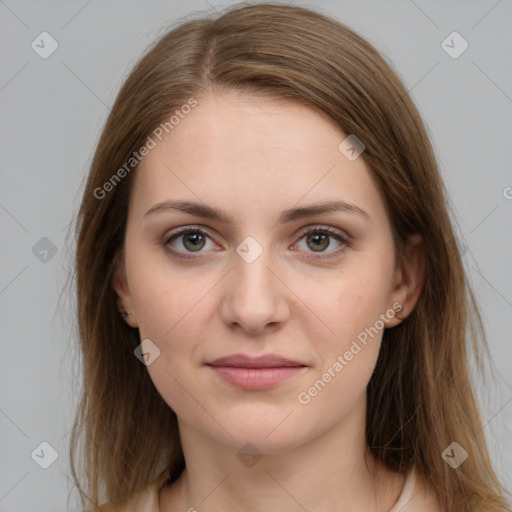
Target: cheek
(167,302)
(347,358)
(348,304)
(178,324)
(174,311)
(176,320)
(337,389)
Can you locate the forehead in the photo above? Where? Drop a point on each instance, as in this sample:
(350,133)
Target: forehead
(238,150)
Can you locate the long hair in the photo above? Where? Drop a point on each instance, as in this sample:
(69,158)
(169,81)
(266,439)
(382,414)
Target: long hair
(420,398)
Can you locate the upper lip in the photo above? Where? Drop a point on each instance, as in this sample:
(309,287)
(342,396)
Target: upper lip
(244,361)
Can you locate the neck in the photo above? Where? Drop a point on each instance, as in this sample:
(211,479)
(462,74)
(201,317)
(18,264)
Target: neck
(332,471)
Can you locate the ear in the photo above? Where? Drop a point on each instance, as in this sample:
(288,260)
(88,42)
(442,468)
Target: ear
(124,297)
(409,278)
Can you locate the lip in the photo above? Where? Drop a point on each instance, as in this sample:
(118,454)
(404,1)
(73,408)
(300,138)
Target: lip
(245,361)
(255,373)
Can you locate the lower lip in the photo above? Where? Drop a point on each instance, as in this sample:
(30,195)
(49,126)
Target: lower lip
(256,378)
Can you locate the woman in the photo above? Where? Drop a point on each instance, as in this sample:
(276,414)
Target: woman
(272,306)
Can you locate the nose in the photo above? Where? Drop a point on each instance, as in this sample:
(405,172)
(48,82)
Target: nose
(255,298)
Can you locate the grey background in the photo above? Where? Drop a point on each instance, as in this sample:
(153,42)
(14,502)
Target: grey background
(53,109)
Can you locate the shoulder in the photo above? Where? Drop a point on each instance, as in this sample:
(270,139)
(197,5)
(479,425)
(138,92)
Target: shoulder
(420,496)
(146,499)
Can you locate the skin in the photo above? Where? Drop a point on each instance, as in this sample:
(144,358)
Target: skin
(253,158)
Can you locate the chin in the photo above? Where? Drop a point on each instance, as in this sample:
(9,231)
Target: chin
(270,433)
(254,442)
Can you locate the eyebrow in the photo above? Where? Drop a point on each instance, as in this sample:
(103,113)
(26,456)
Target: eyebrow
(288,215)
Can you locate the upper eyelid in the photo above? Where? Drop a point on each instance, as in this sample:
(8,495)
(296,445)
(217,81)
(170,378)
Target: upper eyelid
(320,227)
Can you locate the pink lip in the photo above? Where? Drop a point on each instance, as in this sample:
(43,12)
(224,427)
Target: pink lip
(255,373)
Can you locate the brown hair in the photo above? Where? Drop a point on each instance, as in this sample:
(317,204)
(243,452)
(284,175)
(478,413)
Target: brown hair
(420,398)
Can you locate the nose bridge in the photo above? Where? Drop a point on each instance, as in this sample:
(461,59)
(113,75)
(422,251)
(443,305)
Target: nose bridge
(253,297)
(251,273)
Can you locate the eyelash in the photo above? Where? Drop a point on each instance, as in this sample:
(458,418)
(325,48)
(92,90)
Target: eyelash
(322,230)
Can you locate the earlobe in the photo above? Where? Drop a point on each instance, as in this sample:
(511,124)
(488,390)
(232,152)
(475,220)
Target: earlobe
(409,278)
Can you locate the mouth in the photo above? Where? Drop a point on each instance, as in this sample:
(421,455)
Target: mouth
(256,373)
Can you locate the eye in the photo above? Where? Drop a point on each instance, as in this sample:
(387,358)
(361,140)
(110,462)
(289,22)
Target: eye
(187,239)
(319,239)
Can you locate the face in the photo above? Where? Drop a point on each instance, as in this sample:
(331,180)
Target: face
(268,275)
